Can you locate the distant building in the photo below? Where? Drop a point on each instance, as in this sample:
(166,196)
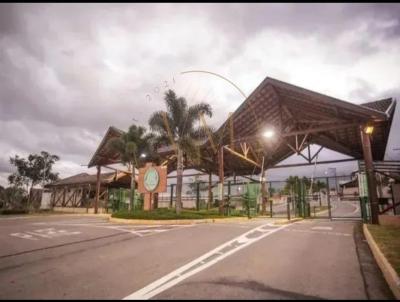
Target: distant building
(78,192)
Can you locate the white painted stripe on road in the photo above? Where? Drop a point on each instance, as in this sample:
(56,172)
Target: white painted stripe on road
(322,228)
(317,232)
(202,263)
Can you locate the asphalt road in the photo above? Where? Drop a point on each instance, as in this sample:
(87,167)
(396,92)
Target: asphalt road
(83,257)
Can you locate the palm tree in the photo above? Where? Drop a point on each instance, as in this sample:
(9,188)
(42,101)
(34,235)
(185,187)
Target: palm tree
(134,147)
(176,126)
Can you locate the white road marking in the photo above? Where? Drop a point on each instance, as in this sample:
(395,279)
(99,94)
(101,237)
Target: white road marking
(24,236)
(48,233)
(322,228)
(147,230)
(202,263)
(317,232)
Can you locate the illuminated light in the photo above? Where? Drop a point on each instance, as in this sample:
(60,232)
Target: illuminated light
(143,155)
(269,133)
(369,129)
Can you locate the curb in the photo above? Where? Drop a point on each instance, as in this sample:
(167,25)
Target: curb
(389,273)
(285,221)
(176,221)
(193,221)
(77,214)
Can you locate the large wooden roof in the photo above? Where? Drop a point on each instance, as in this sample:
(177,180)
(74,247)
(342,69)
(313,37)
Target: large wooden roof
(104,155)
(294,113)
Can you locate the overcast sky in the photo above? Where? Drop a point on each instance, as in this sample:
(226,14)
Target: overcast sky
(69,71)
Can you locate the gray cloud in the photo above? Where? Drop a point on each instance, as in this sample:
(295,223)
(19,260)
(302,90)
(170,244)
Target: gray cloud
(68,71)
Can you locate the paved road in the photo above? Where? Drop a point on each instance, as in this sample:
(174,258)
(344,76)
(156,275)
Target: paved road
(71,257)
(340,209)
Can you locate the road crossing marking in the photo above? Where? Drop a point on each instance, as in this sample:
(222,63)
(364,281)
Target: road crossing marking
(138,230)
(203,262)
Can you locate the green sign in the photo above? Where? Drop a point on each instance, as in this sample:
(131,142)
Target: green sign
(362,184)
(151,179)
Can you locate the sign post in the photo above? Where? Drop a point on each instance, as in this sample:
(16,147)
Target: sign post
(152,179)
(363,195)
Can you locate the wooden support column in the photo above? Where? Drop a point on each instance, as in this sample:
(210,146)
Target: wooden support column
(64,192)
(369,171)
(264,195)
(96,201)
(221,178)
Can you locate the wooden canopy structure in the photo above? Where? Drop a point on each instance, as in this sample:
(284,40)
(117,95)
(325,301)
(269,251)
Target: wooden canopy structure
(298,117)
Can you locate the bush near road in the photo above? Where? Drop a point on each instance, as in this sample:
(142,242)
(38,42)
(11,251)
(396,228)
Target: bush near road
(163,214)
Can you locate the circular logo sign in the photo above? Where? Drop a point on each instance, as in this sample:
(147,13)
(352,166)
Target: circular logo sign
(151,179)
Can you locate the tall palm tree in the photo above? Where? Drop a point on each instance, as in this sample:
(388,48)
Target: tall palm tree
(176,127)
(134,147)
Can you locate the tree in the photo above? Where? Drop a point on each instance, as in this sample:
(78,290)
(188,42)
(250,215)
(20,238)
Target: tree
(12,198)
(33,170)
(134,147)
(176,127)
(291,182)
(317,186)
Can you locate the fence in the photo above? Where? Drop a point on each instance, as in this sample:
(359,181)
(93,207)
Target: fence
(292,197)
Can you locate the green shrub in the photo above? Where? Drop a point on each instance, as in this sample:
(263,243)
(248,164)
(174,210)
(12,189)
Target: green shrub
(164,214)
(13,211)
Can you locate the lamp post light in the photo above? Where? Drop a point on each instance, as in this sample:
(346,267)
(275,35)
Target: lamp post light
(269,133)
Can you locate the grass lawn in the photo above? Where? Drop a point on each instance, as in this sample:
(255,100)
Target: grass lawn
(163,213)
(388,240)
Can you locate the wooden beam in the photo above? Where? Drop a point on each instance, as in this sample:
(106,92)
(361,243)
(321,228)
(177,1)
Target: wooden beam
(96,201)
(232,145)
(330,143)
(320,129)
(321,122)
(118,170)
(309,164)
(241,156)
(316,153)
(254,153)
(296,151)
(303,141)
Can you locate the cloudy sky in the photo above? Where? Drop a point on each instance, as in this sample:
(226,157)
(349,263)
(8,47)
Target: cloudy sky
(68,71)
